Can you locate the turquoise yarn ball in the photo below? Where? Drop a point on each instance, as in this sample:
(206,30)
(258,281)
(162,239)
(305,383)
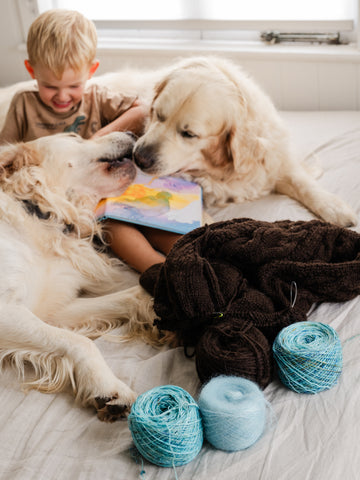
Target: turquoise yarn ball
(166,426)
(233,410)
(308,356)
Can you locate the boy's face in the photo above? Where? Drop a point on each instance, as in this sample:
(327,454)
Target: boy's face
(61,95)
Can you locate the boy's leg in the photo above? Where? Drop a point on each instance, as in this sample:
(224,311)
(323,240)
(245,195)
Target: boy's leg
(162,240)
(129,244)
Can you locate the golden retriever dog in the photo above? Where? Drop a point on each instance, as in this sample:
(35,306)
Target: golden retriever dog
(210,123)
(56,289)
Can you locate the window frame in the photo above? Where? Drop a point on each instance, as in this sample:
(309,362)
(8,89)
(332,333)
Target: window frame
(109,31)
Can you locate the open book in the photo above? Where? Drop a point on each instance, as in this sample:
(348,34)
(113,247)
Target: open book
(166,203)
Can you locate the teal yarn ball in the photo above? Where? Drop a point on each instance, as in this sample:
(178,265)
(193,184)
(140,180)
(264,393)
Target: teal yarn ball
(233,410)
(165,424)
(308,356)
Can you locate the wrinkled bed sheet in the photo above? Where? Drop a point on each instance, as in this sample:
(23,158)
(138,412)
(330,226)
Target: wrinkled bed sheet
(309,437)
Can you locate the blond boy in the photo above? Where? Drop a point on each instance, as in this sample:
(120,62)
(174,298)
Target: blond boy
(61,48)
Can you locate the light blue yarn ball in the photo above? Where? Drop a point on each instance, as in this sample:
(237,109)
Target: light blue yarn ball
(165,424)
(233,410)
(308,356)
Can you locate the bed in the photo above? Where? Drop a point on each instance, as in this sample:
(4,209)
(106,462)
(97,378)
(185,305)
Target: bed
(309,437)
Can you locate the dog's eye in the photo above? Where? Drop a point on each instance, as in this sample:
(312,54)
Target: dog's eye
(187,134)
(160,117)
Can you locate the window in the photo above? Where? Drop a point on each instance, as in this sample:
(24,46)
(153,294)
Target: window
(209,19)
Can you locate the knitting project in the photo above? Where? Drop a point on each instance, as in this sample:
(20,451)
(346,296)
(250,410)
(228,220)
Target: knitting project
(226,288)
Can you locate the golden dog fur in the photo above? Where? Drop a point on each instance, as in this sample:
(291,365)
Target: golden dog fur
(210,123)
(56,288)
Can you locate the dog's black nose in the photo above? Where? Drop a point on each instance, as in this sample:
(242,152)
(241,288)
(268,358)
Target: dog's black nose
(144,157)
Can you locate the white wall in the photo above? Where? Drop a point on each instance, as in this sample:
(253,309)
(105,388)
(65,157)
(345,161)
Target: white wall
(297,78)
(12,60)
(309,78)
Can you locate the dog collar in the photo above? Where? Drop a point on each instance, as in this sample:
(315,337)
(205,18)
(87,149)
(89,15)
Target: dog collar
(33,209)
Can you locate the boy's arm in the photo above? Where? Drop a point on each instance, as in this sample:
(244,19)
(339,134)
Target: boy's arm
(132,120)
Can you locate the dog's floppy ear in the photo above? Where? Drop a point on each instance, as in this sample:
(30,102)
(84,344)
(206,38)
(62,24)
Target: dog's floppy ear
(159,87)
(14,157)
(245,148)
(245,143)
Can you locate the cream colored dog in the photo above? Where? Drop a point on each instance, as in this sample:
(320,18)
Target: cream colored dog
(210,123)
(55,288)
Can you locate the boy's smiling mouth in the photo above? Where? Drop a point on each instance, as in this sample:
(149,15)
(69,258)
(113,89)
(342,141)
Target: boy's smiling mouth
(62,105)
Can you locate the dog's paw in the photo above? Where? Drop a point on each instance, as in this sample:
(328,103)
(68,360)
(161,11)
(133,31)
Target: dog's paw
(338,212)
(110,409)
(349,220)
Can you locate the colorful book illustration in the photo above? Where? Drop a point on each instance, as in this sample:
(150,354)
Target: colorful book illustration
(166,203)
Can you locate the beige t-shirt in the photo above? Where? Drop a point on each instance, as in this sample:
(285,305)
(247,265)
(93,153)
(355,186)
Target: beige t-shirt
(29,118)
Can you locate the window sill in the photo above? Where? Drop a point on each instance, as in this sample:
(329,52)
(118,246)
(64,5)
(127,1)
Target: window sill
(247,50)
(252,50)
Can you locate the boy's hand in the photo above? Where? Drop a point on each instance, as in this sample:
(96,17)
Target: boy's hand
(132,120)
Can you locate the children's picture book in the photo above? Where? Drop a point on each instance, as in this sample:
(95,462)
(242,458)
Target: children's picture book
(166,203)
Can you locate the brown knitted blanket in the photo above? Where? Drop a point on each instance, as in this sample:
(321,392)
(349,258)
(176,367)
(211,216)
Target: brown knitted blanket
(244,272)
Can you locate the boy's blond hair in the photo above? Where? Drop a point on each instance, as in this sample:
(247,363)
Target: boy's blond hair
(60,39)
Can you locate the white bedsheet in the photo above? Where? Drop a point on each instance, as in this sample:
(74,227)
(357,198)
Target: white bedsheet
(313,437)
